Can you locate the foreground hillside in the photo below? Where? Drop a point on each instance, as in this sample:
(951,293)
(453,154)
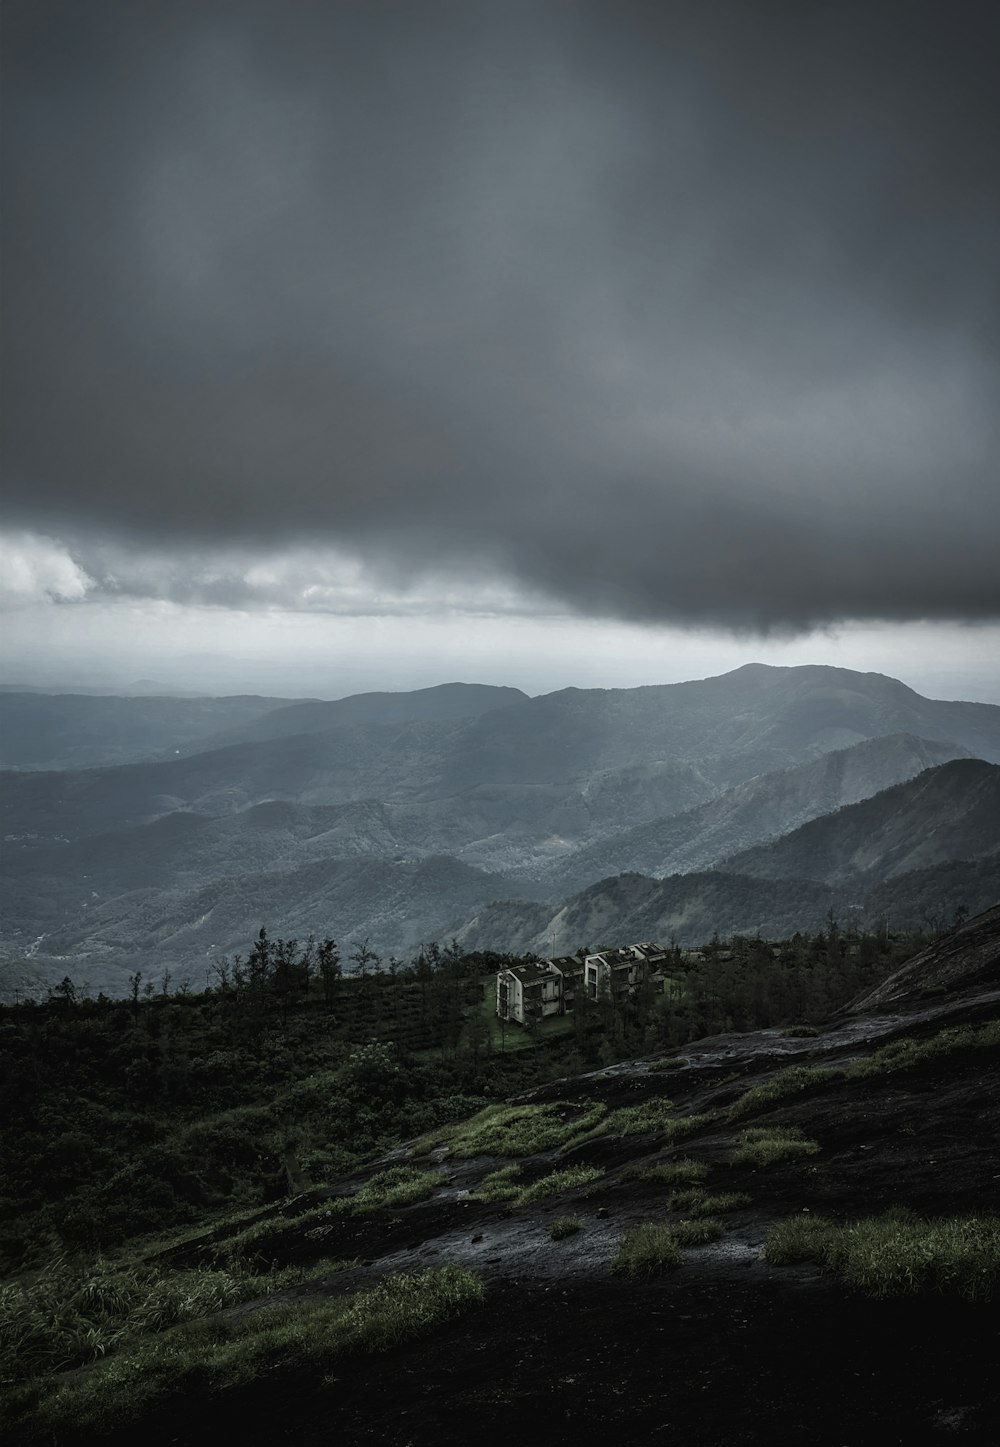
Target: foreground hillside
(770,1237)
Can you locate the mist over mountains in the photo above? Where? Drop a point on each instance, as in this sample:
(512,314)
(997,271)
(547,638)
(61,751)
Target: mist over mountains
(756,800)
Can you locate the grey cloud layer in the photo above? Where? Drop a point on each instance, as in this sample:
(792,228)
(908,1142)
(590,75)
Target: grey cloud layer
(668,311)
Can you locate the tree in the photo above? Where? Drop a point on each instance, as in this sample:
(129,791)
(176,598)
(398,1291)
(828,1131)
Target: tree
(328,964)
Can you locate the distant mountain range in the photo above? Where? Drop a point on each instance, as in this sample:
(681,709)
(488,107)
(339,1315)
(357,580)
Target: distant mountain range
(917,852)
(403,816)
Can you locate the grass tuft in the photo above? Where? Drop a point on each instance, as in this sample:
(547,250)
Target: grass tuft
(897,1254)
(206,1357)
(505,1184)
(70,1316)
(392,1188)
(647,1116)
(646,1250)
(564,1226)
(699,1203)
(698,1233)
(792,1081)
(668,1173)
(902,1054)
(767,1145)
(516,1130)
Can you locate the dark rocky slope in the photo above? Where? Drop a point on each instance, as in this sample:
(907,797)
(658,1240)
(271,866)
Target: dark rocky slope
(725,1349)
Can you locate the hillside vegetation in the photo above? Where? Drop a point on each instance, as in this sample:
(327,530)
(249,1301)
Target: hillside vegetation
(754,1194)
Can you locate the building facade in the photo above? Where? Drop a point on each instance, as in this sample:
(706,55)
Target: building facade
(533,992)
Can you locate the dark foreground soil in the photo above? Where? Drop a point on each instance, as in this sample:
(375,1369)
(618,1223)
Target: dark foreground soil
(700,1358)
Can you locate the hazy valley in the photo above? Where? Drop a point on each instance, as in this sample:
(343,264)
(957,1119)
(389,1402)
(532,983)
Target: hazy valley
(756,801)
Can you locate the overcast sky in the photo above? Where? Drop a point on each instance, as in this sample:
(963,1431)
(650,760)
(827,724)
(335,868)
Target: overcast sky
(540,342)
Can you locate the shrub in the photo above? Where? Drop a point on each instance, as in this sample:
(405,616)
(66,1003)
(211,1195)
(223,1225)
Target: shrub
(800,1032)
(791,1081)
(564,1226)
(671,1062)
(767,1145)
(898,1254)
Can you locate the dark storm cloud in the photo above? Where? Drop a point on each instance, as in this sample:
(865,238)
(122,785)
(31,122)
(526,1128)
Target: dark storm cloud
(668,311)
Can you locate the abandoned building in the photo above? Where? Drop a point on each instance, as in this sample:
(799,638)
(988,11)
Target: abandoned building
(533,992)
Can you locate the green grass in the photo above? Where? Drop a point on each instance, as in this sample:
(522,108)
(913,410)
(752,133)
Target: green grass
(687,1125)
(668,1173)
(69,1315)
(699,1232)
(800,1032)
(644,1118)
(502,1185)
(515,1130)
(791,1081)
(647,1249)
(655,1246)
(392,1188)
(387,1190)
(557,1181)
(767,1145)
(670,1062)
(898,1254)
(700,1203)
(902,1054)
(207,1357)
(564,1226)
(505,1184)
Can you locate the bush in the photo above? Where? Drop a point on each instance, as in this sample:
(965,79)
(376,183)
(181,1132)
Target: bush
(671,1062)
(898,1254)
(800,1032)
(767,1145)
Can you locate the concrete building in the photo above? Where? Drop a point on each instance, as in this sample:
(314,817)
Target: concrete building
(533,992)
